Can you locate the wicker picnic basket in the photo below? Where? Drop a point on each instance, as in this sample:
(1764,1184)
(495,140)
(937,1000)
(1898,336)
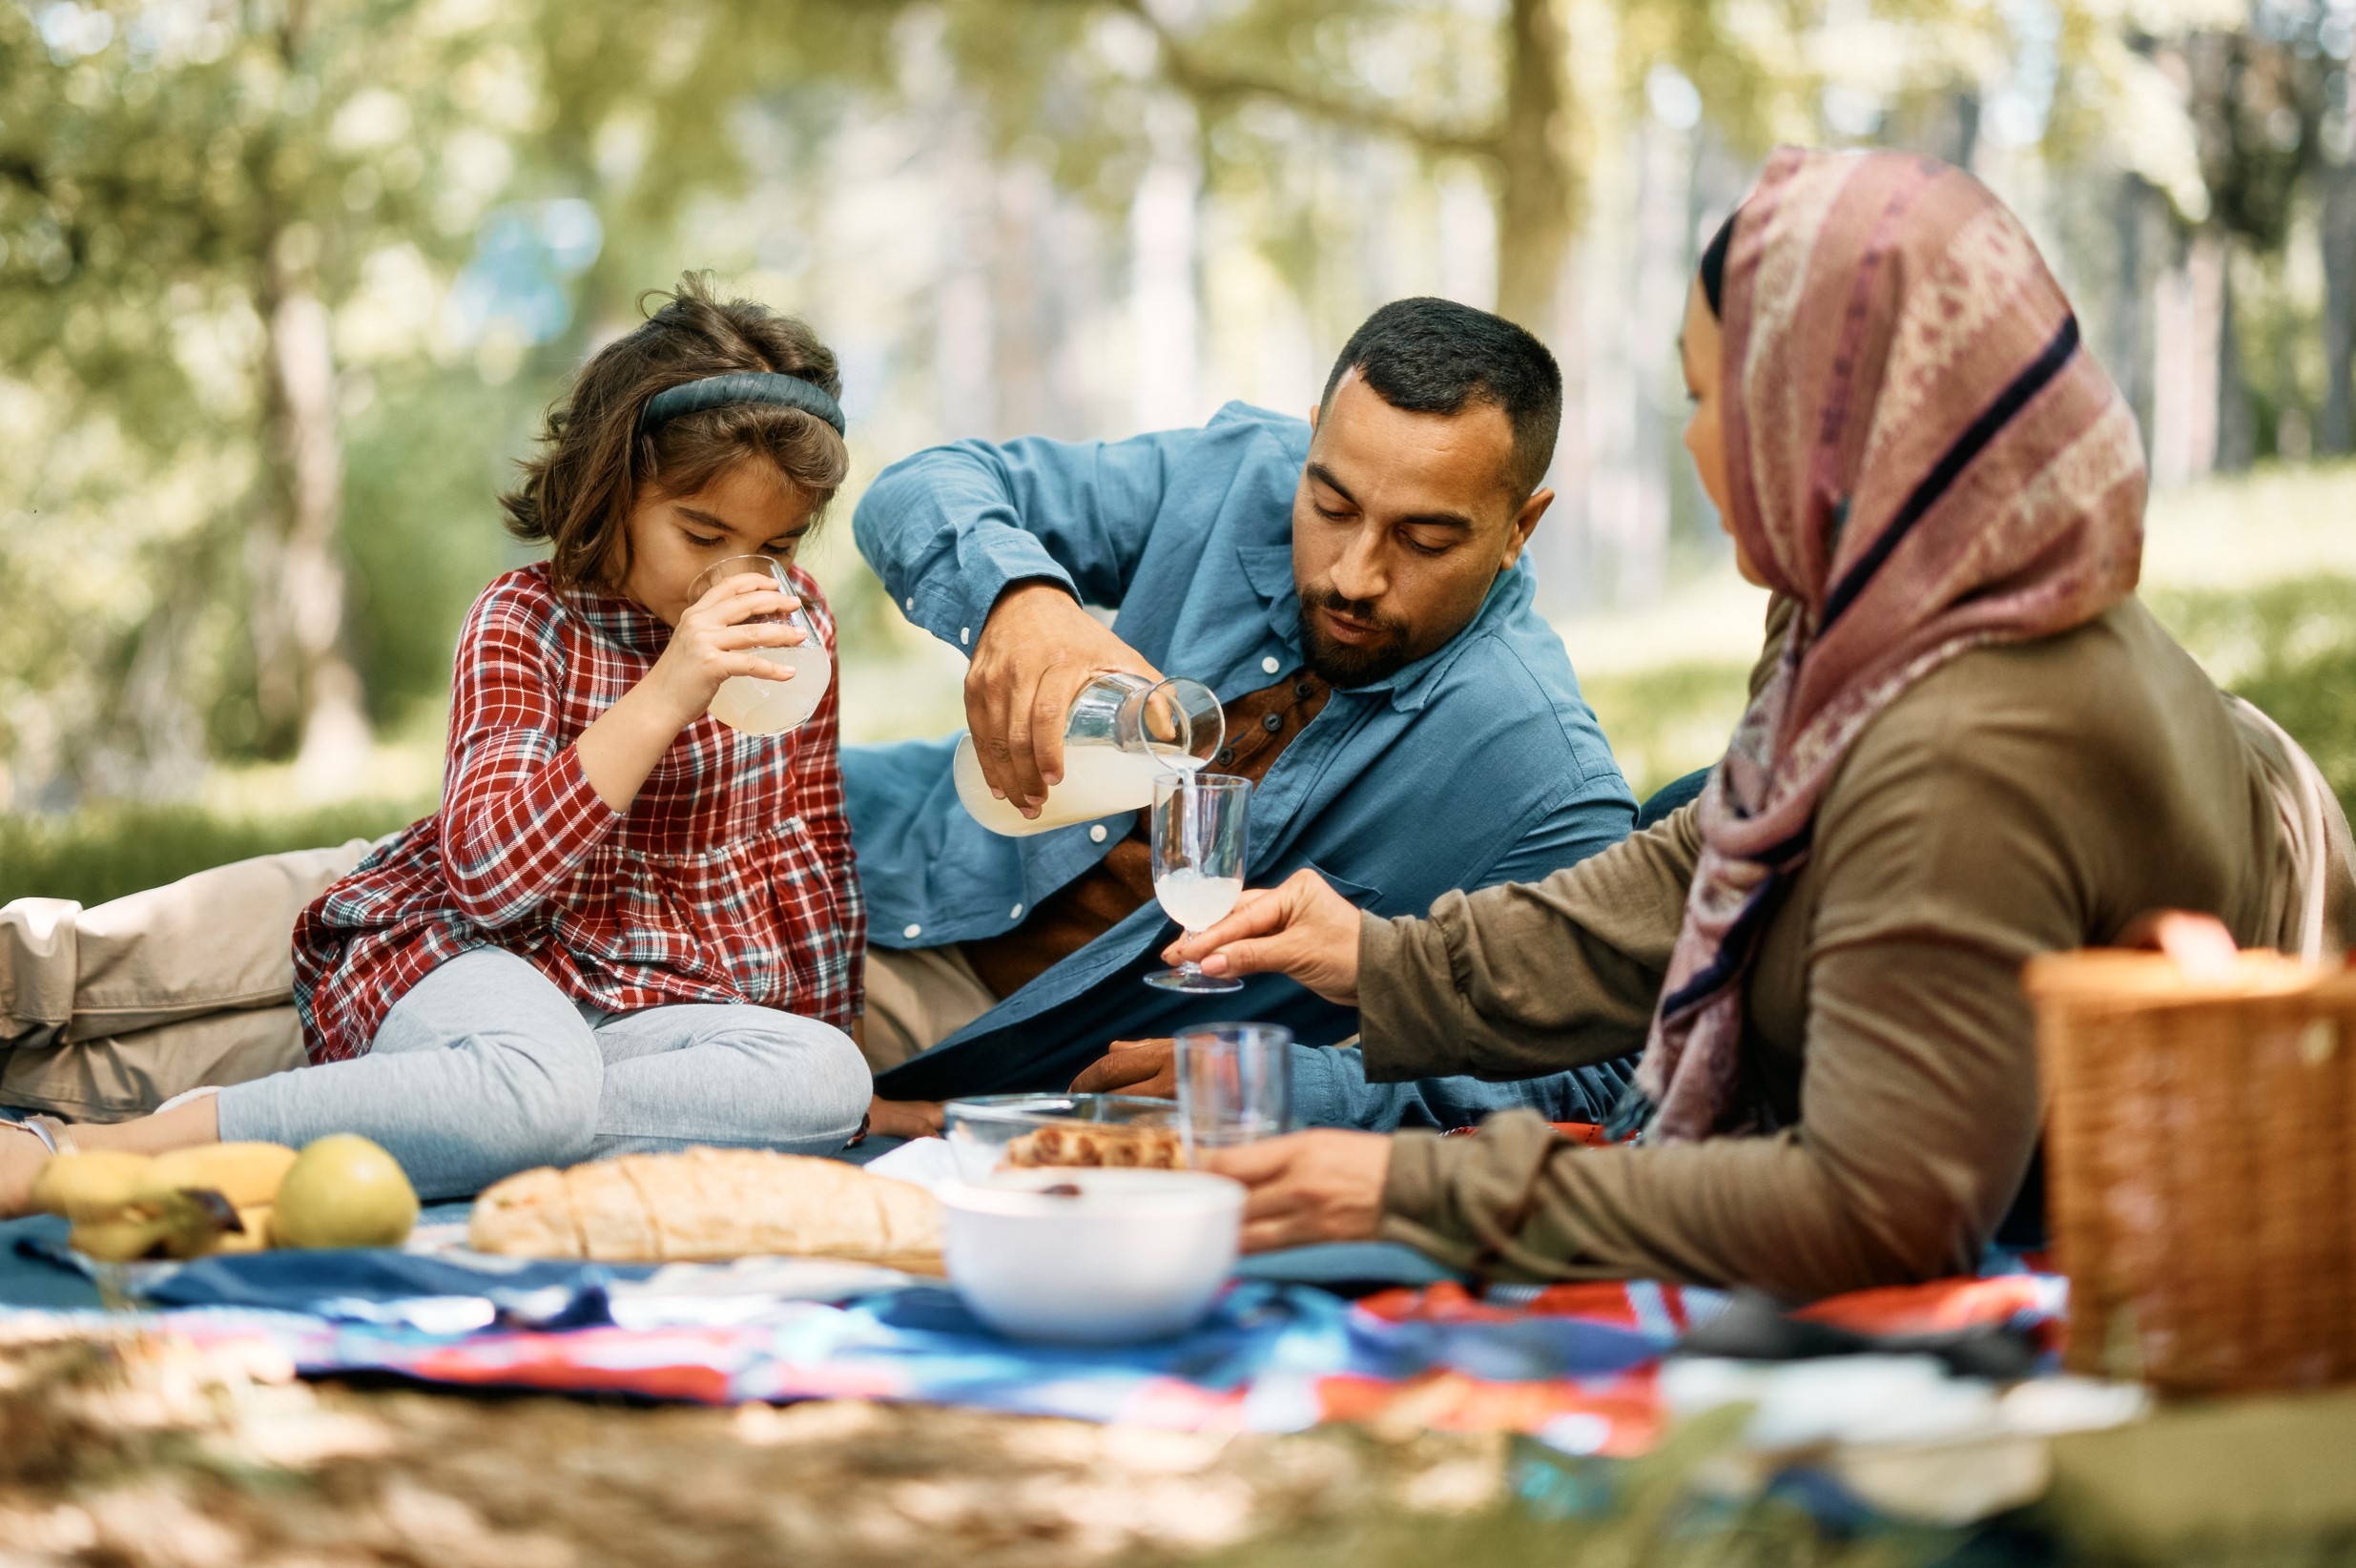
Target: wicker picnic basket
(2200,1148)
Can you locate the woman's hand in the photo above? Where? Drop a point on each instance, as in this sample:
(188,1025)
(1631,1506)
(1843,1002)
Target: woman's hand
(714,640)
(1311,1187)
(1302,928)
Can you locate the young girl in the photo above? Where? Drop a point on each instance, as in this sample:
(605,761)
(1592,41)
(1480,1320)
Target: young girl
(629,927)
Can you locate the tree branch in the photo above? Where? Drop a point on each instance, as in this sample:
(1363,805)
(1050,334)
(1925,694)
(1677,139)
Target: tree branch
(1205,83)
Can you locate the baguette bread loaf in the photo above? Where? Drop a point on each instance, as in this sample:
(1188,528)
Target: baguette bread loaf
(704,1205)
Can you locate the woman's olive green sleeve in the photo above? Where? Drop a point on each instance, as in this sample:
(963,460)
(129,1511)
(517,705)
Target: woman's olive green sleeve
(1939,875)
(1529,978)
(1533,977)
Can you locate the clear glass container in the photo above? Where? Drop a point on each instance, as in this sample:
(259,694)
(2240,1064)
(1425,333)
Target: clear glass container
(1001,1132)
(1121,733)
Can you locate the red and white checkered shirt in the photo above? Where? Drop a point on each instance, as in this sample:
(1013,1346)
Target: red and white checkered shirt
(728,879)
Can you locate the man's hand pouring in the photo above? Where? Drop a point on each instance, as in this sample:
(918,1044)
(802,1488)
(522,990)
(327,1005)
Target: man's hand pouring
(1301,928)
(1037,650)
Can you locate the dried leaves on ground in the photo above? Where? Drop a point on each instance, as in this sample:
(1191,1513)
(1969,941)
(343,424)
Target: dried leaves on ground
(146,1452)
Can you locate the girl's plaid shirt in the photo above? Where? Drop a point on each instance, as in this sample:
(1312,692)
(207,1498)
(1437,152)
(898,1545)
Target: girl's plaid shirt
(730,878)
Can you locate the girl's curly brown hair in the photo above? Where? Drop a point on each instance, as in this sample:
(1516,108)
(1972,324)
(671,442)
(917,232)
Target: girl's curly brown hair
(579,489)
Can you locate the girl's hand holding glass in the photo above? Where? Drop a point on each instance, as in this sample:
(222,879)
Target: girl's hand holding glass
(745,650)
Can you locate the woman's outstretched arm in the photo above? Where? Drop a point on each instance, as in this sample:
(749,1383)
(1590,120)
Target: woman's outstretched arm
(1509,981)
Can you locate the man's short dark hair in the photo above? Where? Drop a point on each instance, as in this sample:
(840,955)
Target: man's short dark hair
(1428,355)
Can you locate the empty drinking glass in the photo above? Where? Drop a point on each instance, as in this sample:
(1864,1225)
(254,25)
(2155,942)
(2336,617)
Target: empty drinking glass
(1198,862)
(762,707)
(1234,1085)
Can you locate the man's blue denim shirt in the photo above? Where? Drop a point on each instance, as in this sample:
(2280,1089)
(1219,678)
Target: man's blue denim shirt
(1478,764)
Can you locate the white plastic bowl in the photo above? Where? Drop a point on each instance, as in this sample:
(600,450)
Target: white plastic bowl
(1137,1254)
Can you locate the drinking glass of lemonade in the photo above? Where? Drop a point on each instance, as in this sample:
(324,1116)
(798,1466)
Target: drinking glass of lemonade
(759,707)
(1198,862)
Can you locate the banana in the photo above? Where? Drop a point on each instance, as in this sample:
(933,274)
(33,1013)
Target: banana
(89,1186)
(119,1240)
(186,1204)
(205,1228)
(199,1221)
(246,1174)
(252,1236)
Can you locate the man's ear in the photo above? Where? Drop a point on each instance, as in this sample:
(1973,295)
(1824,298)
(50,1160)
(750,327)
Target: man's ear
(1315,409)
(1524,523)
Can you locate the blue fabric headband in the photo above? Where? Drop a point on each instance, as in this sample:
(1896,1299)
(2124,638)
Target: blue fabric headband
(740,387)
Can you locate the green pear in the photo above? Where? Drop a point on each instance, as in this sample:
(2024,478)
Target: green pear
(343,1190)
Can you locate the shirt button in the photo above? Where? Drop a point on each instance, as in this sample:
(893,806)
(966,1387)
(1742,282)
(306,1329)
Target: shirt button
(964,635)
(912,931)
(1269,666)
(1272,722)
(1096,833)
(1015,913)
(912,604)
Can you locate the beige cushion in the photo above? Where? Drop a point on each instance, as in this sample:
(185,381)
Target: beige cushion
(115,1008)
(123,1076)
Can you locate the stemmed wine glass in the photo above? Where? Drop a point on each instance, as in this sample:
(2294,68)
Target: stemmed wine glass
(1198,862)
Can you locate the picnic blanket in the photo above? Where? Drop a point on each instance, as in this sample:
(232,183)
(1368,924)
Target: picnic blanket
(1576,1367)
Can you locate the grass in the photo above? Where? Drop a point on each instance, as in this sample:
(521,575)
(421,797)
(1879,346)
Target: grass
(105,853)
(1664,723)
(2288,647)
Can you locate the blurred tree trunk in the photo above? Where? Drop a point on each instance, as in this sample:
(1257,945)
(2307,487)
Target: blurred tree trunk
(308,591)
(1535,177)
(2337,434)
(1525,145)
(2237,411)
(303,682)
(2130,336)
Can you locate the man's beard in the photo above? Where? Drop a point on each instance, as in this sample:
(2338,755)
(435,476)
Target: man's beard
(1340,663)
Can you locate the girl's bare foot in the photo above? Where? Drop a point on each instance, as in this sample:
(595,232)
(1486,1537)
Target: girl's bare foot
(22,1152)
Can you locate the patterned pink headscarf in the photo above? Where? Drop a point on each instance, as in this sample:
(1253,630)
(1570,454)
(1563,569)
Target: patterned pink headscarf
(1921,455)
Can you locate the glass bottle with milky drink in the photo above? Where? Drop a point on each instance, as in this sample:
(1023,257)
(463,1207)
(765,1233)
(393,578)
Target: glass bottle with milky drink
(1121,733)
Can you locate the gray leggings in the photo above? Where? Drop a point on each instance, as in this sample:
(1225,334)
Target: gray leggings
(485,1068)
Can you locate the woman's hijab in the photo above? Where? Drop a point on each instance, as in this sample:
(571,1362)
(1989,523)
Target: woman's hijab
(1921,455)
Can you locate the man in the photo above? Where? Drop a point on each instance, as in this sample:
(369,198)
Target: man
(1352,587)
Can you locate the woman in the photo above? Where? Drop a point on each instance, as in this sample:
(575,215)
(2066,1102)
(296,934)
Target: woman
(1972,745)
